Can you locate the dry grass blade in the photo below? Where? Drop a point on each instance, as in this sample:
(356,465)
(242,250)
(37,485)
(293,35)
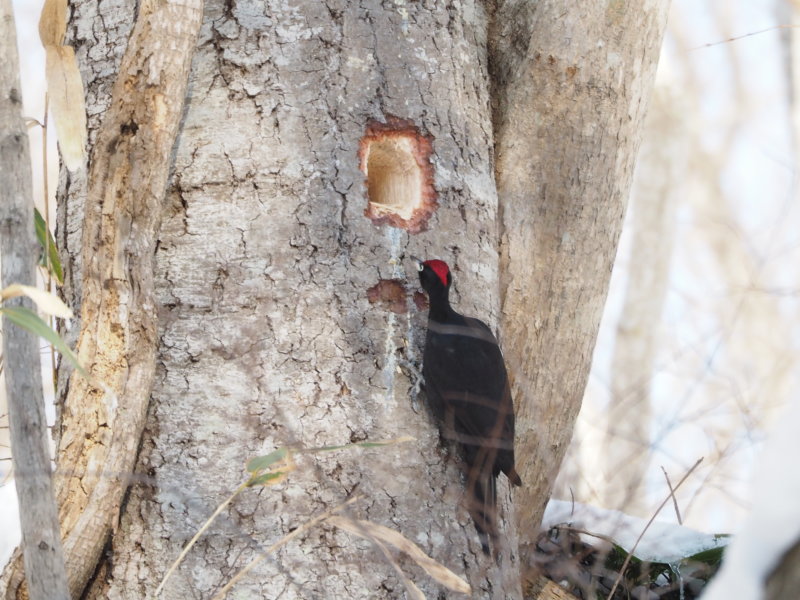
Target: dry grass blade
(374,532)
(196,537)
(674,499)
(65,90)
(48,303)
(646,527)
(413,591)
(290,536)
(53,22)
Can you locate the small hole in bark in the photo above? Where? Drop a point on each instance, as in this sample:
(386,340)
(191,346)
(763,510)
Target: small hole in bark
(420,301)
(395,157)
(394,177)
(390,294)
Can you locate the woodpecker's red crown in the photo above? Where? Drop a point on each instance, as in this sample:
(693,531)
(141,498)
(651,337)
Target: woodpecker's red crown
(440,268)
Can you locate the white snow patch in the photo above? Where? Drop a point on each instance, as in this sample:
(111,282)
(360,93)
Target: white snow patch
(662,542)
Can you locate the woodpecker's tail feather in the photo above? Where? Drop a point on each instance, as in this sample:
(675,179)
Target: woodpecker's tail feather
(513,477)
(482,507)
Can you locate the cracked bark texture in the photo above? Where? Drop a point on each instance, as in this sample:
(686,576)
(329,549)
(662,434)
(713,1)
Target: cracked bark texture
(266,334)
(570,88)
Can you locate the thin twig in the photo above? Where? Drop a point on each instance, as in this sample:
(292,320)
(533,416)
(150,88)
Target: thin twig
(48,266)
(288,537)
(739,37)
(646,527)
(599,536)
(572,507)
(672,493)
(380,534)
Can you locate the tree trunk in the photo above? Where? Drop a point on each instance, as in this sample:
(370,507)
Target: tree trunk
(102,417)
(570,92)
(267,335)
(41,543)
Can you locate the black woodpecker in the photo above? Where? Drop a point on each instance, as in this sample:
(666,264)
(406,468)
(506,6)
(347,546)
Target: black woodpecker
(469,394)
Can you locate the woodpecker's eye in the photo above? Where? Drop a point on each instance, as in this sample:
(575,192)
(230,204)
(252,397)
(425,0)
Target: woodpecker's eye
(420,266)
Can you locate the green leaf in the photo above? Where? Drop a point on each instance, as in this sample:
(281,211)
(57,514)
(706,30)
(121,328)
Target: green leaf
(265,478)
(259,463)
(712,557)
(27,319)
(327,448)
(46,240)
(376,444)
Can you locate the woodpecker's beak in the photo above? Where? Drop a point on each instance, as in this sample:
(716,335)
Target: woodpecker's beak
(418,261)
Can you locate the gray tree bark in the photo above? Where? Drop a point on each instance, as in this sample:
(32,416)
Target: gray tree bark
(570,91)
(41,541)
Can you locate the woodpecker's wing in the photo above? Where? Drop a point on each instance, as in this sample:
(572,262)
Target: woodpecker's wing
(468,388)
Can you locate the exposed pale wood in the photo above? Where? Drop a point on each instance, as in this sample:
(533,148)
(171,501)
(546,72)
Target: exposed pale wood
(41,541)
(544,589)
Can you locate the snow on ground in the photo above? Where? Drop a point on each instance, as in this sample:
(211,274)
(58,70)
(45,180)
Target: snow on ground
(662,542)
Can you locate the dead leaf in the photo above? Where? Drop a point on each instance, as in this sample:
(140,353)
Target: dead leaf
(65,89)
(53,22)
(413,592)
(369,530)
(46,302)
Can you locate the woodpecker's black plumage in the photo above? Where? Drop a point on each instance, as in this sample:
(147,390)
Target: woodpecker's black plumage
(469,394)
